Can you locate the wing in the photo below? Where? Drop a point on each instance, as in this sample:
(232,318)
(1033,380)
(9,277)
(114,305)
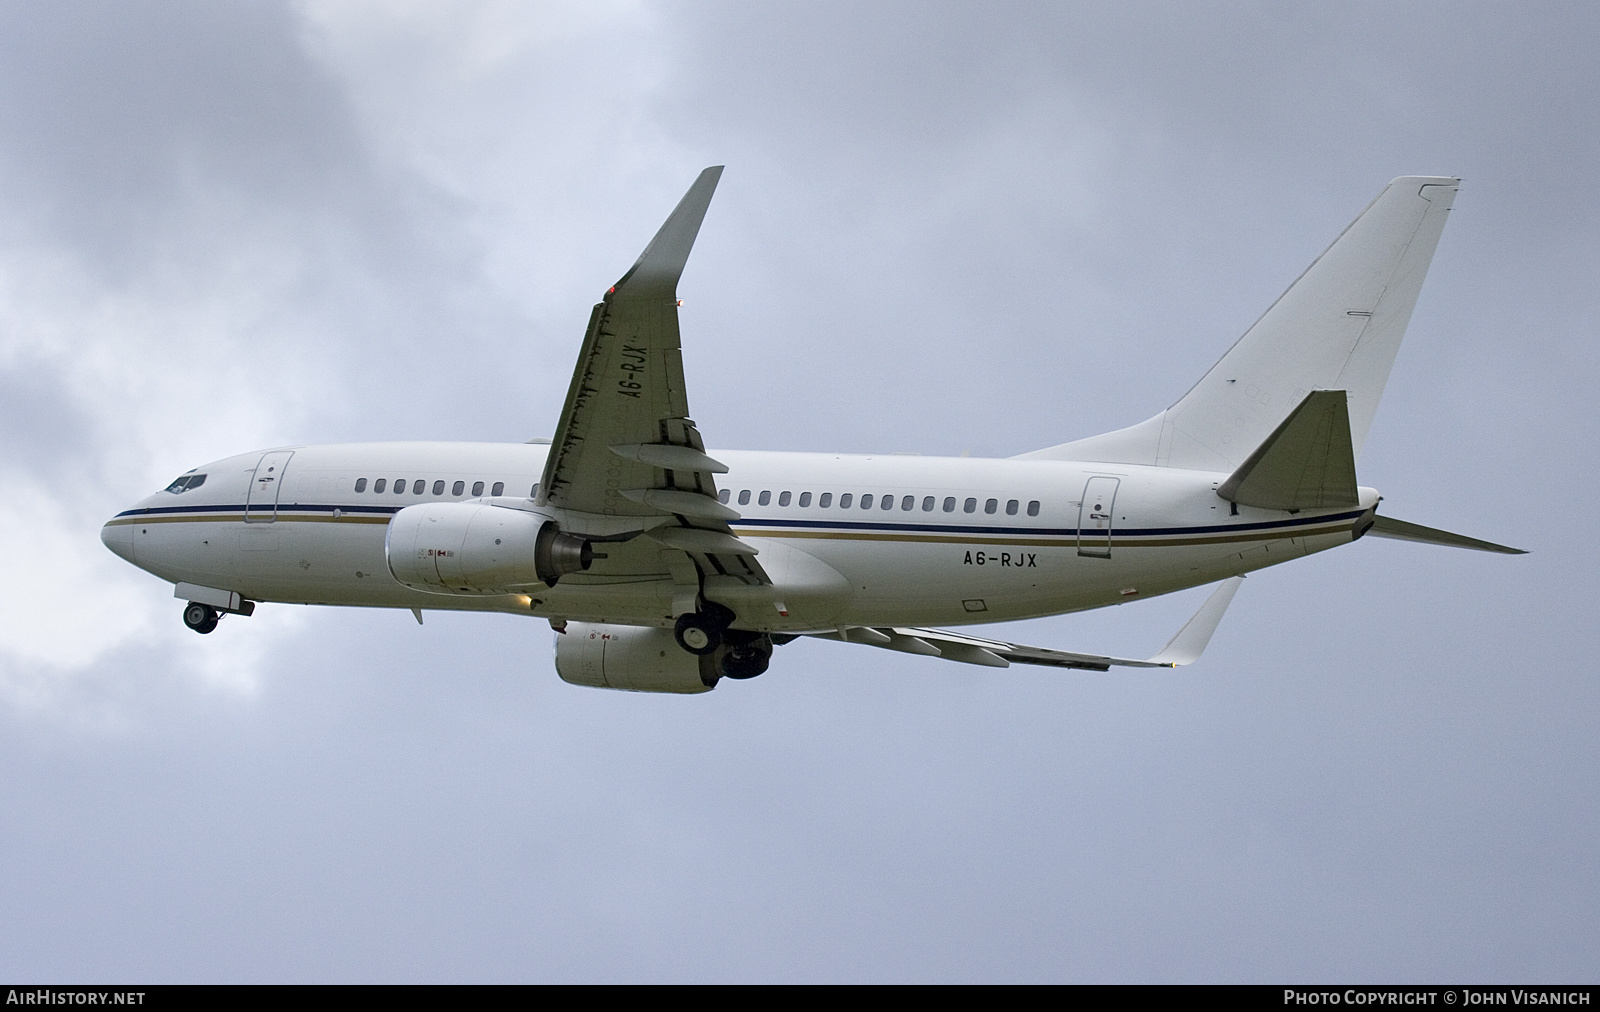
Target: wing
(1184,648)
(626,456)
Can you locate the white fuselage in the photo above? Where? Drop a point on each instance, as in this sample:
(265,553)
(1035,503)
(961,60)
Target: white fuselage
(961,540)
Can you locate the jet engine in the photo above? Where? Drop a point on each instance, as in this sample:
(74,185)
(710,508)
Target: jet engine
(477,548)
(635,658)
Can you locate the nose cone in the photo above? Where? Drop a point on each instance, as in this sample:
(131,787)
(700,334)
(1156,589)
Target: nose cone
(119,538)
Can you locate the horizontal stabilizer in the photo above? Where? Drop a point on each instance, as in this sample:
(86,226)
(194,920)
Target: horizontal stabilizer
(1307,462)
(1399,530)
(1184,648)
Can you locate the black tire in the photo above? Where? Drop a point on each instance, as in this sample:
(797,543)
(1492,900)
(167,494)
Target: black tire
(747,660)
(697,633)
(202,618)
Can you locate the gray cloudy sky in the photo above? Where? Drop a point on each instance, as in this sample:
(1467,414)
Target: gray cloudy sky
(944,228)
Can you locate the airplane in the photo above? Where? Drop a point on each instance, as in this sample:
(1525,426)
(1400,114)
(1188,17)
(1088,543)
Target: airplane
(664,567)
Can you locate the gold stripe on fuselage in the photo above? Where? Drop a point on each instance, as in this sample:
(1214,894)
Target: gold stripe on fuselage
(1055,541)
(1059,541)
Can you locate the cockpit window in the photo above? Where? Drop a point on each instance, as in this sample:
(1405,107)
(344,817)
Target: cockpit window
(186,482)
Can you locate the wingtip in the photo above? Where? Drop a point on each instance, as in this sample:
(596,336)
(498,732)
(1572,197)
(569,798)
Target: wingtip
(656,272)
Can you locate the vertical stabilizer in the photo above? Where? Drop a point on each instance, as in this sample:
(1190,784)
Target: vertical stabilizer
(1337,328)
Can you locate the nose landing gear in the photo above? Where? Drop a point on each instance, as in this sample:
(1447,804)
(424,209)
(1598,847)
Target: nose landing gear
(202,618)
(202,615)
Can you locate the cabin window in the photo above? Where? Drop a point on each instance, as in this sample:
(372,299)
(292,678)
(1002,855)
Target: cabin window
(844,500)
(499,487)
(950,504)
(1033,508)
(908,502)
(970,506)
(533,491)
(744,497)
(805,498)
(361,484)
(399,486)
(420,485)
(459,488)
(866,501)
(991,505)
(1011,507)
(722,496)
(825,500)
(927,504)
(783,498)
(888,502)
(380,484)
(477,488)
(764,498)
(438,487)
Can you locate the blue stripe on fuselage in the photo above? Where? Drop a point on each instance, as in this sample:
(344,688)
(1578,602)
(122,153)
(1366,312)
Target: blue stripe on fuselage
(774,523)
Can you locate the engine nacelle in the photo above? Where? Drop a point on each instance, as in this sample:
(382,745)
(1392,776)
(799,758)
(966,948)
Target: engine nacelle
(630,657)
(478,548)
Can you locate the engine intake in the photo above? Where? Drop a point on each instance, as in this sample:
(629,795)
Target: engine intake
(475,548)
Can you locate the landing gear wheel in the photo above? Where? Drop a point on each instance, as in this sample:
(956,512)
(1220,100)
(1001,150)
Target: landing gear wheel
(202,618)
(697,633)
(747,660)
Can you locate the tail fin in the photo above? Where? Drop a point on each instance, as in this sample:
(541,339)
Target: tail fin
(1337,328)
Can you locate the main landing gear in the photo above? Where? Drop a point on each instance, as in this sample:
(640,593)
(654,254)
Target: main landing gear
(738,652)
(700,632)
(748,654)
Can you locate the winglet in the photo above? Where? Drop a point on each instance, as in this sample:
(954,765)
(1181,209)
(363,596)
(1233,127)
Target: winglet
(1190,643)
(656,273)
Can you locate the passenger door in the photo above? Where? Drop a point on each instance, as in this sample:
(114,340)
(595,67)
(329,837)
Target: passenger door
(261,502)
(1094,517)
